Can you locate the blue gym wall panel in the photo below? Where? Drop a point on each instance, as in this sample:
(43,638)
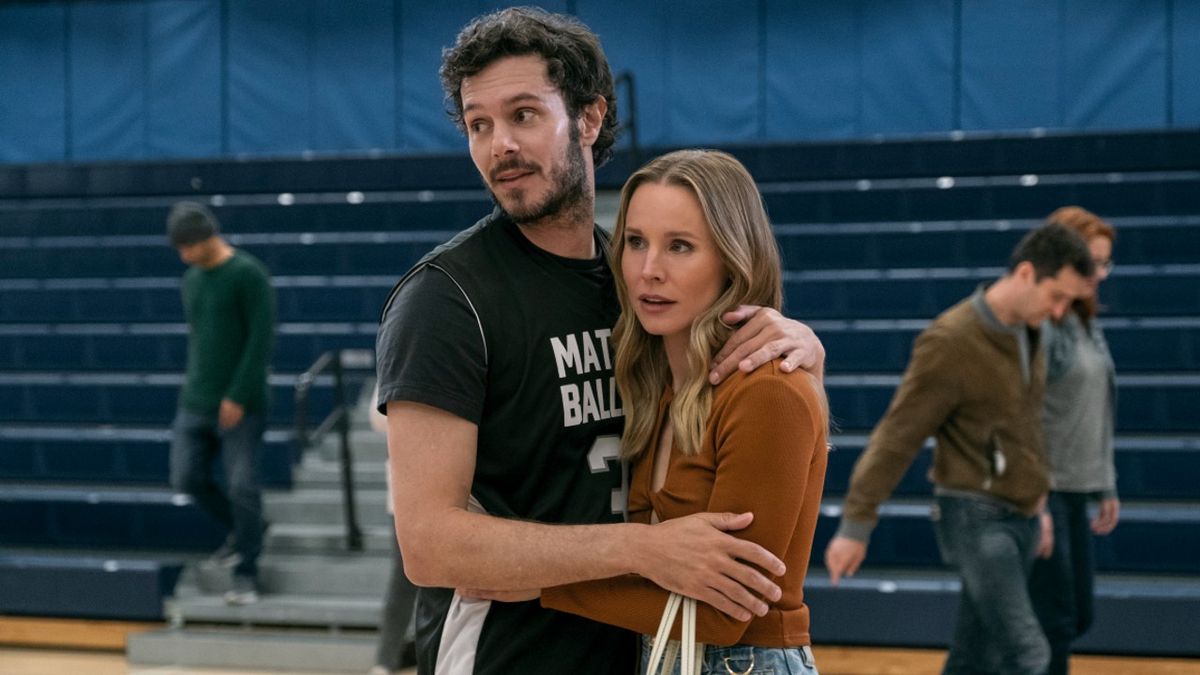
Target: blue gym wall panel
(33,82)
(715,62)
(269,70)
(107,60)
(1185,64)
(908,66)
(184,79)
(1010,65)
(134,79)
(353,76)
(622,25)
(813,72)
(1115,57)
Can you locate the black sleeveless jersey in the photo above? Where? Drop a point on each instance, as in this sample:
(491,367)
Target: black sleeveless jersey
(496,330)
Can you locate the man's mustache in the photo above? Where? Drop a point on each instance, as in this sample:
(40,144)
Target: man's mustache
(511,164)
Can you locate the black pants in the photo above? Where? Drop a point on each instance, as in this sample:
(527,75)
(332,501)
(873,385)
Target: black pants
(1062,586)
(398,608)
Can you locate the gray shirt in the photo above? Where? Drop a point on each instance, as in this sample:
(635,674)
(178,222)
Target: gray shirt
(1020,331)
(1079,407)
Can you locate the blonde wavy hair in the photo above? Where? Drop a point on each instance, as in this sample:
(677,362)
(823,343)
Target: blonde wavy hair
(737,220)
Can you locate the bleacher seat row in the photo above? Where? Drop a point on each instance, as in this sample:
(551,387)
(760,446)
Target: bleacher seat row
(877,238)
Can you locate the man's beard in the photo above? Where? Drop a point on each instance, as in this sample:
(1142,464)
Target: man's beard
(568,190)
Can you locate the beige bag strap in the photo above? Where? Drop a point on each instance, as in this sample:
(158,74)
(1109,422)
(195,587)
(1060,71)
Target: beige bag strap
(664,649)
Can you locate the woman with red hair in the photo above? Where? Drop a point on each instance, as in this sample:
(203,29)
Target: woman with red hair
(1078,415)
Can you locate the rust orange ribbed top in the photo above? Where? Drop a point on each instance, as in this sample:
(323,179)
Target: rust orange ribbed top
(764,451)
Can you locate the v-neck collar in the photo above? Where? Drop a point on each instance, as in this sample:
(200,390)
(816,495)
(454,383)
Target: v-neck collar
(664,405)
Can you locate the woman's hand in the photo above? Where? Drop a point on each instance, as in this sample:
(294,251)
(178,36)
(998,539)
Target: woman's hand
(1106,520)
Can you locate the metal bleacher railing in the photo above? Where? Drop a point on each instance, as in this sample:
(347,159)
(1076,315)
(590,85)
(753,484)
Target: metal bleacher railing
(335,362)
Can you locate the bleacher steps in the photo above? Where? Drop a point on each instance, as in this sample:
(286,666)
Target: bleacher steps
(317,575)
(1134,614)
(319,602)
(344,611)
(322,538)
(324,506)
(97,586)
(366,445)
(325,575)
(321,473)
(291,651)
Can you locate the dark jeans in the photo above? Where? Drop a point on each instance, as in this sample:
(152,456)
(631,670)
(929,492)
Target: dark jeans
(1061,586)
(992,548)
(196,442)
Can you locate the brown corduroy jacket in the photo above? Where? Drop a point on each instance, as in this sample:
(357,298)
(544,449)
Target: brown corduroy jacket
(964,385)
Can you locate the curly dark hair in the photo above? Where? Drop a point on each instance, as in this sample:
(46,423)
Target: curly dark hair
(575,63)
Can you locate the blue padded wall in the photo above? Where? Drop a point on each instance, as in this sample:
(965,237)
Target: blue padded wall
(908,79)
(146,79)
(715,73)
(310,75)
(106,47)
(269,66)
(1115,60)
(1010,70)
(353,83)
(819,63)
(33,87)
(1185,64)
(184,75)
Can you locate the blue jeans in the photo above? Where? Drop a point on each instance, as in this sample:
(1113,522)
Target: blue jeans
(196,442)
(739,659)
(992,549)
(1061,586)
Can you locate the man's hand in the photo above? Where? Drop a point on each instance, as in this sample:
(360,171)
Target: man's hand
(843,557)
(499,596)
(765,335)
(695,557)
(231,414)
(1045,547)
(1110,513)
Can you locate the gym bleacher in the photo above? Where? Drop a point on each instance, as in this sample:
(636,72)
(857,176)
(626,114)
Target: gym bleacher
(877,237)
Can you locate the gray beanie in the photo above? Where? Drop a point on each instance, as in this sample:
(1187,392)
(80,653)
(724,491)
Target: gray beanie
(190,223)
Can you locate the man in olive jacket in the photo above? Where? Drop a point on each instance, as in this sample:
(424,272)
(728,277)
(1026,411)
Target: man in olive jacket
(975,382)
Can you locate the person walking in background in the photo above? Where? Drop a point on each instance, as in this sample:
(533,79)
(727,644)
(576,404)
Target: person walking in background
(1077,421)
(975,381)
(230,309)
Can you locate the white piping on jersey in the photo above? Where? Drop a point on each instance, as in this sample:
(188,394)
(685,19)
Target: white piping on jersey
(462,626)
(478,321)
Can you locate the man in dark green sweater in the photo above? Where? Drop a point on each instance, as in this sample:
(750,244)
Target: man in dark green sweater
(975,383)
(230,309)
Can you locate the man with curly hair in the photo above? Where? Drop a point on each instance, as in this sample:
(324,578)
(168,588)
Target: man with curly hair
(495,372)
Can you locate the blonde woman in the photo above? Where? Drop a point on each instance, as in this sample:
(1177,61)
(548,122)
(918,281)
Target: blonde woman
(692,241)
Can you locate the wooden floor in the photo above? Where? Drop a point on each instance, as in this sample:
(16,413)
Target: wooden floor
(830,661)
